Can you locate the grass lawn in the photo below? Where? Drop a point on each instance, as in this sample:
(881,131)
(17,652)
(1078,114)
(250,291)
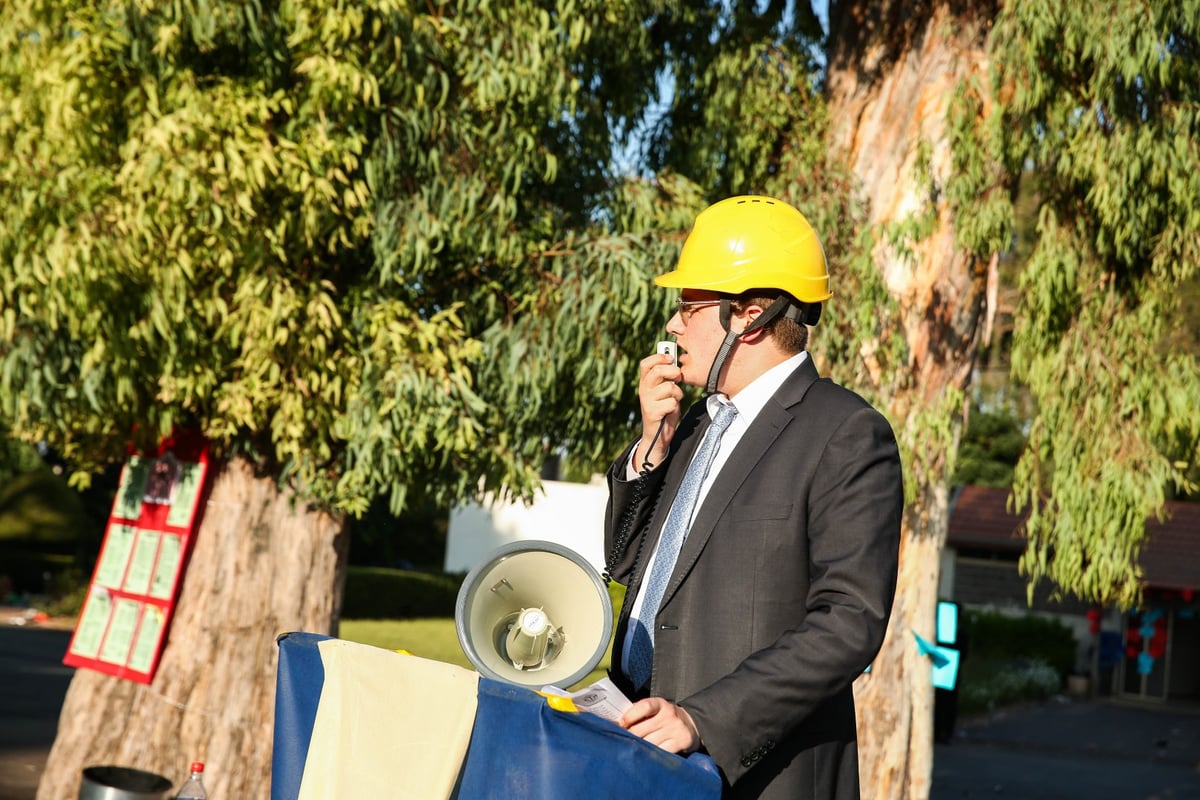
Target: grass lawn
(429,638)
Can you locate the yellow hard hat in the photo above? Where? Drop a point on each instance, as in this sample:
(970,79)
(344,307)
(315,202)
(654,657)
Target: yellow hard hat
(752,242)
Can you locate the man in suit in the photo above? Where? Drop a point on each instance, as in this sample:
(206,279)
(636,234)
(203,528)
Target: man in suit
(760,565)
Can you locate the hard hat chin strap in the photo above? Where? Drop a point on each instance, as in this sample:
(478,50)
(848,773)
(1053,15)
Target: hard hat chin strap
(782,305)
(723,353)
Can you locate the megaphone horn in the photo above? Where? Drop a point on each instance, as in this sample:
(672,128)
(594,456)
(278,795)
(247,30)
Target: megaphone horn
(534,613)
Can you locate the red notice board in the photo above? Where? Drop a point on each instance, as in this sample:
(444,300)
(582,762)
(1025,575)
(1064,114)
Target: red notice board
(131,598)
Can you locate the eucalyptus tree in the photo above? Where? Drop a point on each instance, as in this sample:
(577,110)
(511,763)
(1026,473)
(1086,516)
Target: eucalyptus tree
(367,250)
(940,110)
(928,119)
(1104,117)
(370,249)
(379,249)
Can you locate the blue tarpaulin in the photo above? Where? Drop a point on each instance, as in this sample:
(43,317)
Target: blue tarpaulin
(519,746)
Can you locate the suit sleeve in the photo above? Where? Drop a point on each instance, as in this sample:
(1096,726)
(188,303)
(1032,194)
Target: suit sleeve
(852,523)
(629,506)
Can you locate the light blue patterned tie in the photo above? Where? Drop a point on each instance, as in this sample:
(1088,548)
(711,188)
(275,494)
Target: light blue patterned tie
(641,648)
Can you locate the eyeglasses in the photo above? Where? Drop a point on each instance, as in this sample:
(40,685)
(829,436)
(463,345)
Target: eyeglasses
(685,308)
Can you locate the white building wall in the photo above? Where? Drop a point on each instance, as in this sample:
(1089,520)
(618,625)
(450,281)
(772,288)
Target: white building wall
(569,514)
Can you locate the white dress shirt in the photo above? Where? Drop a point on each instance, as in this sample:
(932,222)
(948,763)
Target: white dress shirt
(749,402)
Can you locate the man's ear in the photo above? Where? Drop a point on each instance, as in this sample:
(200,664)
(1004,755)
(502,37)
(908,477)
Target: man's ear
(749,314)
(753,336)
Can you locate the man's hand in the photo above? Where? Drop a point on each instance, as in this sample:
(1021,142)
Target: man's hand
(662,723)
(660,398)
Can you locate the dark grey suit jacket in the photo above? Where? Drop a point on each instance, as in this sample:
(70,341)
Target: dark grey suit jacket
(783,587)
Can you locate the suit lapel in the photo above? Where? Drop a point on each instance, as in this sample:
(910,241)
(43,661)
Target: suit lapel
(688,435)
(766,428)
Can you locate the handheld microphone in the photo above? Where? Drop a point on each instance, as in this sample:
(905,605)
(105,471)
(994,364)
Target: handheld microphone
(668,348)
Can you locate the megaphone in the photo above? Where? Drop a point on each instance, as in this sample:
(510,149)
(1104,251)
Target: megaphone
(534,613)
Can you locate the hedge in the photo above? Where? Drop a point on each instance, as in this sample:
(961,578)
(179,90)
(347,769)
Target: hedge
(383,593)
(1002,637)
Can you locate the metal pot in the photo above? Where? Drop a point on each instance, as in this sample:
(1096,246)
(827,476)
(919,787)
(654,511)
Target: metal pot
(122,783)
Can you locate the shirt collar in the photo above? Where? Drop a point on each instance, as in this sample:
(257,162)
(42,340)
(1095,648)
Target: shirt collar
(751,399)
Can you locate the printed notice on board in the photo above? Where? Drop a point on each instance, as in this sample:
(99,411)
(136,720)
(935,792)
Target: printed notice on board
(93,620)
(118,545)
(141,564)
(167,567)
(148,636)
(119,637)
(128,503)
(187,491)
(131,599)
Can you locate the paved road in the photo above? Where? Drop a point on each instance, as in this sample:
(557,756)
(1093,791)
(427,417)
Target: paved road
(1065,750)
(1058,750)
(33,681)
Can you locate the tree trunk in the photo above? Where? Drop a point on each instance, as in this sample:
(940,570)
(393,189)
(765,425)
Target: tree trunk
(895,699)
(262,564)
(893,70)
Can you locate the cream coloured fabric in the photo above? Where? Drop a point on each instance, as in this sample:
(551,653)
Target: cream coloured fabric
(388,725)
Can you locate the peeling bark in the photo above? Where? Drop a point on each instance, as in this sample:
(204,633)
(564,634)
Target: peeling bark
(893,71)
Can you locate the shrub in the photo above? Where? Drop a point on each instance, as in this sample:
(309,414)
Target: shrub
(1005,638)
(1013,659)
(382,593)
(1005,684)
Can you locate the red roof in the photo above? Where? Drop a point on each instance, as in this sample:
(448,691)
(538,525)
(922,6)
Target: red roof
(1170,556)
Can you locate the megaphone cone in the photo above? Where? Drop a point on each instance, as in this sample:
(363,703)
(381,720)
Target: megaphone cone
(534,614)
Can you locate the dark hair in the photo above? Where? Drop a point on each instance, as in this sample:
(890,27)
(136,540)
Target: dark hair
(791,335)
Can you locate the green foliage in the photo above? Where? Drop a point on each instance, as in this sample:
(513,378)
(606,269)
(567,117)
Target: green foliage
(38,508)
(16,457)
(994,684)
(330,237)
(47,537)
(743,101)
(746,116)
(990,448)
(380,249)
(903,234)
(1002,637)
(1102,114)
(382,593)
(979,189)
(49,533)
(416,538)
(929,442)
(1013,659)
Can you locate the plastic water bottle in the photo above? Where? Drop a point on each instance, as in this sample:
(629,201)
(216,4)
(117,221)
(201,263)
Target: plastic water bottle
(193,787)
